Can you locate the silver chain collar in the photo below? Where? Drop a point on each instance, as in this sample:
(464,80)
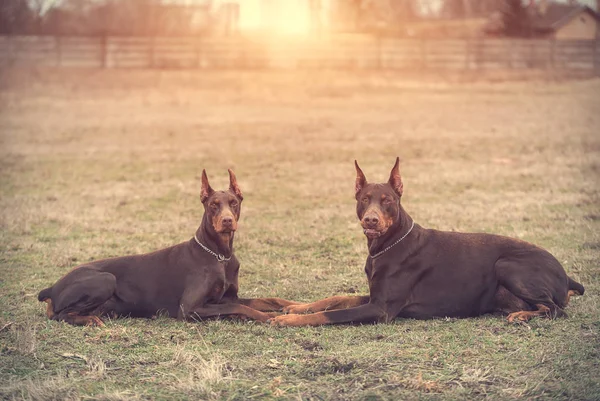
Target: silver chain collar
(219,257)
(378,254)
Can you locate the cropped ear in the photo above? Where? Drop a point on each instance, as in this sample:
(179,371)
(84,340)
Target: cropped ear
(206,190)
(361,181)
(233,185)
(395,180)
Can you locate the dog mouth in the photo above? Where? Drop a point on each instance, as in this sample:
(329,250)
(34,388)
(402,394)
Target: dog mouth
(372,233)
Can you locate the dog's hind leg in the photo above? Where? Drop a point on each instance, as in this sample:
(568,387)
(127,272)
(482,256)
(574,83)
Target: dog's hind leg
(531,284)
(570,294)
(542,310)
(49,308)
(80,320)
(574,289)
(78,298)
(507,303)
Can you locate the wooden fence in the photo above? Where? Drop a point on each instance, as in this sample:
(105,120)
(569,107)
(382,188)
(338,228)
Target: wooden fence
(333,52)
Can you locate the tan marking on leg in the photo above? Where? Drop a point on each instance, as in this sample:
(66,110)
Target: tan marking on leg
(89,320)
(298,309)
(570,294)
(331,303)
(95,321)
(316,319)
(524,316)
(49,308)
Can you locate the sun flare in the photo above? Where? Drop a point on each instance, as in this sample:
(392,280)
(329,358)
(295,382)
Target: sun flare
(288,17)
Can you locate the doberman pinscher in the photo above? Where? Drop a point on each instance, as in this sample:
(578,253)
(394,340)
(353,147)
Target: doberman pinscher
(194,279)
(421,273)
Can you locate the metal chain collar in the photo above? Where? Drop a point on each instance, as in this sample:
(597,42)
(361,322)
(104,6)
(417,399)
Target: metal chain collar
(378,254)
(219,257)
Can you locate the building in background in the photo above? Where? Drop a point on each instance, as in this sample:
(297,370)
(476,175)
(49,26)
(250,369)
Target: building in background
(564,21)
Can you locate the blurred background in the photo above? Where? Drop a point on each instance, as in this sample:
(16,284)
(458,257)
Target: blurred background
(523,18)
(447,34)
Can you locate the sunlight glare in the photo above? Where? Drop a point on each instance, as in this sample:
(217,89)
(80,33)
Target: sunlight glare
(275,16)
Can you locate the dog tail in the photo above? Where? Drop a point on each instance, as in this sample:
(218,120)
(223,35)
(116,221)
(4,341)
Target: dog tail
(44,294)
(575,286)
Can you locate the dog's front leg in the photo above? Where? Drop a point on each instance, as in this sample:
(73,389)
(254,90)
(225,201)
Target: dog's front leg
(216,310)
(368,313)
(331,303)
(267,304)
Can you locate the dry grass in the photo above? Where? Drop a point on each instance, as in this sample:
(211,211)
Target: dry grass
(104,163)
(199,374)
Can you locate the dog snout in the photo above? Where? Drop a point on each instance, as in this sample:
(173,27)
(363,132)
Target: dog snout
(227,221)
(371,221)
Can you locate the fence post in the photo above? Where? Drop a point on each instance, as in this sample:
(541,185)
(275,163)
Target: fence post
(10,50)
(467,53)
(423,53)
(151,50)
(479,54)
(597,56)
(552,53)
(58,47)
(532,54)
(197,53)
(104,51)
(379,52)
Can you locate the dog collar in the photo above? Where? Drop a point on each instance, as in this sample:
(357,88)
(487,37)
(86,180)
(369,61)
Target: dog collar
(378,254)
(219,257)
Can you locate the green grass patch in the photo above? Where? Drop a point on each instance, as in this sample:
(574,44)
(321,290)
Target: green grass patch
(100,171)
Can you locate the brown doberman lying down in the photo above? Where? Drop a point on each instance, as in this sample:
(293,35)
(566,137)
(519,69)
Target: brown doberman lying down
(420,273)
(195,279)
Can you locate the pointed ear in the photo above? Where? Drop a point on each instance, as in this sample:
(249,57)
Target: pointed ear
(206,190)
(395,180)
(233,185)
(361,181)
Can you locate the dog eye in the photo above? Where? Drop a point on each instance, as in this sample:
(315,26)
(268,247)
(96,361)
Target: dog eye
(365,200)
(234,204)
(213,206)
(387,201)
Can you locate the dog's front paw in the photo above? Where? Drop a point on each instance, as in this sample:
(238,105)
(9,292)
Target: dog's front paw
(272,314)
(297,309)
(94,321)
(285,320)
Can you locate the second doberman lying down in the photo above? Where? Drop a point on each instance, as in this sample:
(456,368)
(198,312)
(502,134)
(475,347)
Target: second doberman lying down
(195,279)
(414,272)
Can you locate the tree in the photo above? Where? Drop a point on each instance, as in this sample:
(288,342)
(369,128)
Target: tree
(453,9)
(369,15)
(15,17)
(468,8)
(516,19)
(126,17)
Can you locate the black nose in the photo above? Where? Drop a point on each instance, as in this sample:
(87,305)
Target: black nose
(371,221)
(227,221)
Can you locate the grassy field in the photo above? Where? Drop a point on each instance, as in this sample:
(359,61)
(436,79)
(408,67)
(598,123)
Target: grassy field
(97,164)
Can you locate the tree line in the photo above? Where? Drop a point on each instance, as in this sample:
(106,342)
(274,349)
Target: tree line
(205,17)
(97,17)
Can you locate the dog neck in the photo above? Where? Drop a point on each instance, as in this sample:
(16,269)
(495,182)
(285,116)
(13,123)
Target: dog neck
(221,243)
(400,228)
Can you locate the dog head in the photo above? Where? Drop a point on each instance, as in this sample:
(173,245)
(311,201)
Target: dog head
(378,205)
(222,208)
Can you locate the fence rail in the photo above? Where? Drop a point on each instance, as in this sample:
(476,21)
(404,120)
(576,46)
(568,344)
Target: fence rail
(334,52)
